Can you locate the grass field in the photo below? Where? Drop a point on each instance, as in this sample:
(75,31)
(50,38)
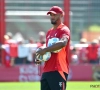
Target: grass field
(36,86)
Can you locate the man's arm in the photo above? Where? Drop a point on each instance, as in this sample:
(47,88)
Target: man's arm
(62,43)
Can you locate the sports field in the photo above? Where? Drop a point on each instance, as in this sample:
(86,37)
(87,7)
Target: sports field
(36,86)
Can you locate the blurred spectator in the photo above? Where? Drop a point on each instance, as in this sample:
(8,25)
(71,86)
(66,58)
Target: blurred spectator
(42,37)
(83,41)
(9,38)
(30,57)
(9,43)
(13,49)
(74,56)
(23,51)
(32,48)
(31,40)
(92,52)
(82,51)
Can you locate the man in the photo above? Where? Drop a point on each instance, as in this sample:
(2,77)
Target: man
(56,69)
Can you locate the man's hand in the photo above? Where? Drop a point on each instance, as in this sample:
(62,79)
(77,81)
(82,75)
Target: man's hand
(37,61)
(40,52)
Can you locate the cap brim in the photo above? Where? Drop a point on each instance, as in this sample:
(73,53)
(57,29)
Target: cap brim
(51,12)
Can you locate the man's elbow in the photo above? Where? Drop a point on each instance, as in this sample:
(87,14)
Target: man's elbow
(64,44)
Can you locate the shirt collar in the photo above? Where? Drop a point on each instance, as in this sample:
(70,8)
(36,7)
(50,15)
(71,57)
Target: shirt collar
(60,25)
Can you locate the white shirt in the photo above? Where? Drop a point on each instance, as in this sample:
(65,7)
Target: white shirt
(23,51)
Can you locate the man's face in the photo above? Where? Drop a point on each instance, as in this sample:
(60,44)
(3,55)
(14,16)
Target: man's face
(54,18)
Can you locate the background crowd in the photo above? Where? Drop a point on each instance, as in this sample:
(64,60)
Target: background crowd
(18,51)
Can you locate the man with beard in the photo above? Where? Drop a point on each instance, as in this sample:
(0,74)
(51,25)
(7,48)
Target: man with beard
(55,71)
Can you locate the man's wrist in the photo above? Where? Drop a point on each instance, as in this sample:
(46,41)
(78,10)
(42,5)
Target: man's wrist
(45,49)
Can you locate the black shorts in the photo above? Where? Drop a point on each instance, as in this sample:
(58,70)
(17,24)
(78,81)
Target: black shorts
(53,81)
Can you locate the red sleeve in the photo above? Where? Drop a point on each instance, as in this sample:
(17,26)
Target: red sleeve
(65,32)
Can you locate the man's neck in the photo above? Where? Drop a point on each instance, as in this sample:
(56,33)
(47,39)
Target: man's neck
(55,26)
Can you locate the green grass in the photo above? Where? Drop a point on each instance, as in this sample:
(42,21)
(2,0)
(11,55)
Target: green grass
(36,85)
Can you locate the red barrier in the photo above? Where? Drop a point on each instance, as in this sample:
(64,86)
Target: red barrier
(32,73)
(20,73)
(80,72)
(9,74)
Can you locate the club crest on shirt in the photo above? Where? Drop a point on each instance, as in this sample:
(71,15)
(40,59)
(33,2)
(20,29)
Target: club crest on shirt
(55,34)
(48,36)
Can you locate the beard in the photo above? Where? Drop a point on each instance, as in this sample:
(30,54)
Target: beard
(53,22)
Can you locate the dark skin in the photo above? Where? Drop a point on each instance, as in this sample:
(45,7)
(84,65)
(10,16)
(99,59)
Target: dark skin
(55,18)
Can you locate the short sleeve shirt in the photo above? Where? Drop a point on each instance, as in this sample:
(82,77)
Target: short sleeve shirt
(60,60)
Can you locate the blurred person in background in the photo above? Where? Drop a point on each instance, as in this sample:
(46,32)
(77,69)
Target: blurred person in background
(22,52)
(9,38)
(31,40)
(74,56)
(92,52)
(82,51)
(83,41)
(9,47)
(42,38)
(32,49)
